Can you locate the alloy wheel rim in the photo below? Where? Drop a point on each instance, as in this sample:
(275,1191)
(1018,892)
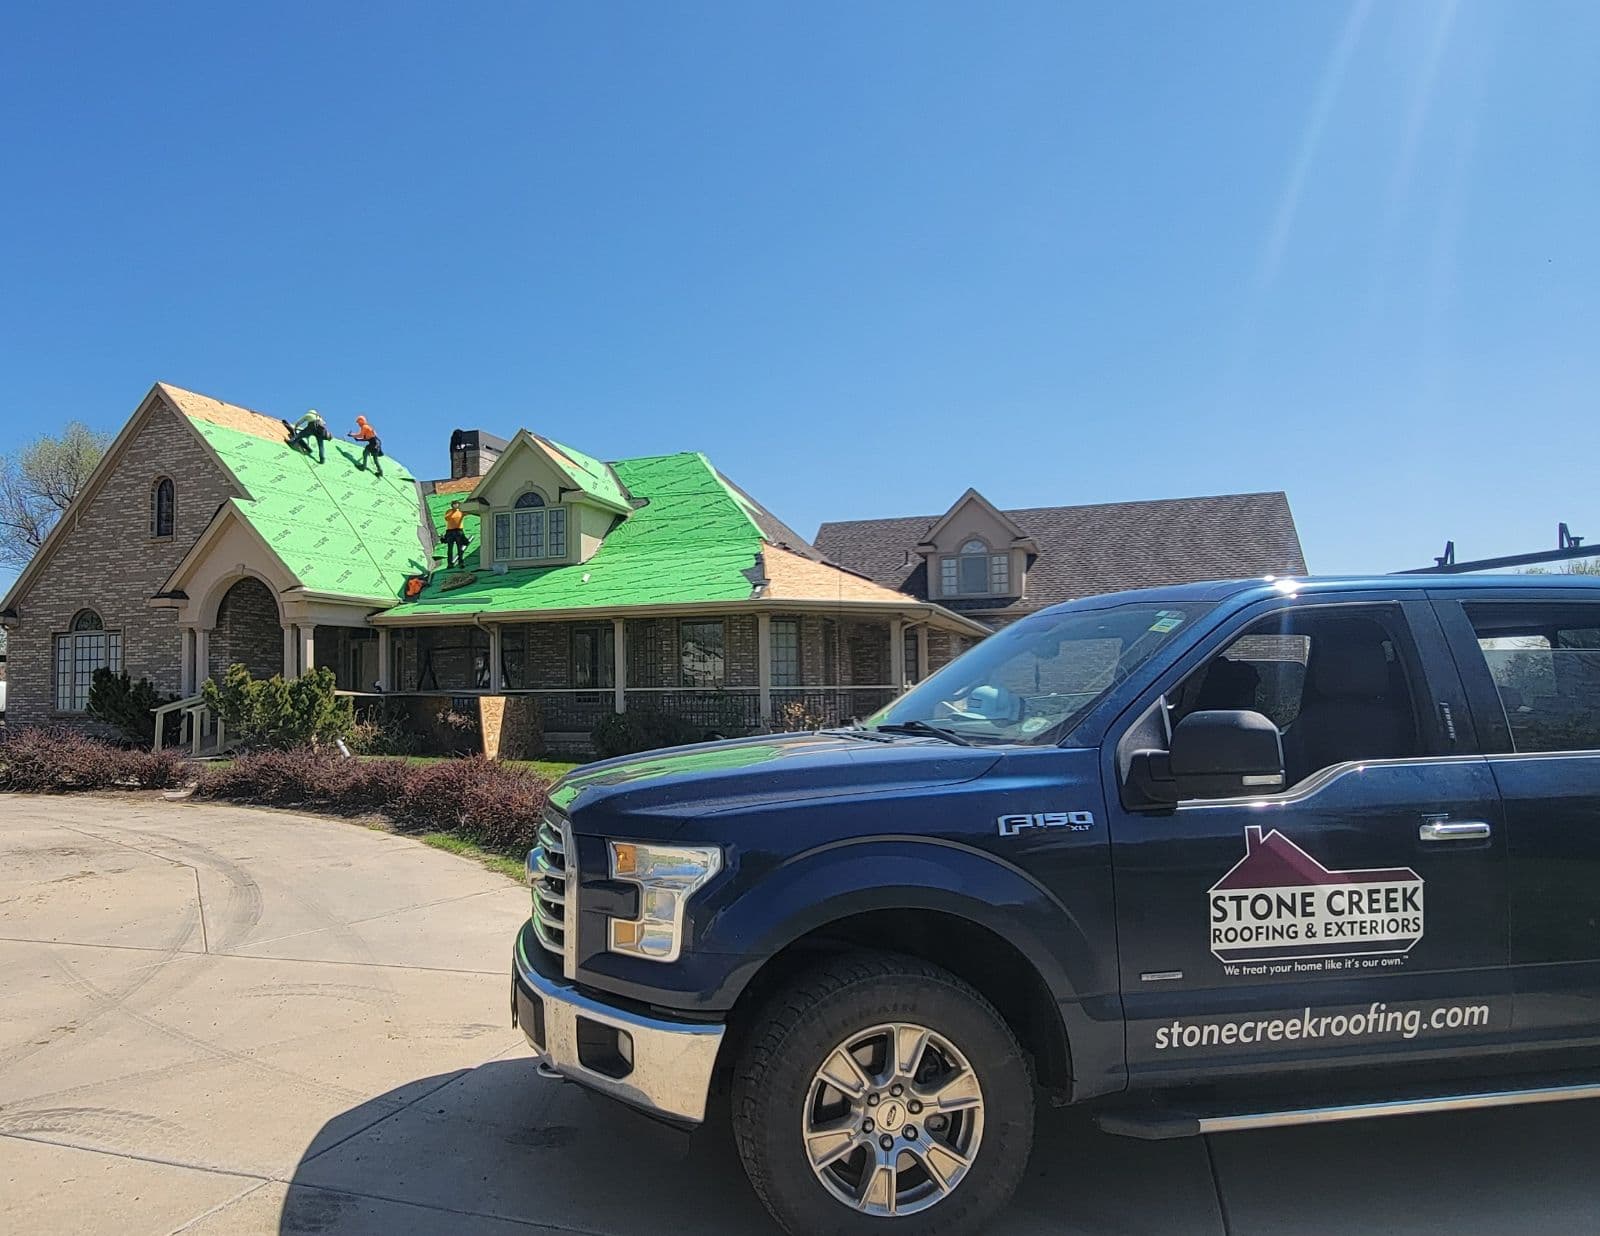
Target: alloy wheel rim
(893,1119)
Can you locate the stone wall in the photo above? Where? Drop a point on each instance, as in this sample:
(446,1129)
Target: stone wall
(107,560)
(248,631)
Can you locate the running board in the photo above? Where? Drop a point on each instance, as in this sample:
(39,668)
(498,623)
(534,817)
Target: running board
(1156,1124)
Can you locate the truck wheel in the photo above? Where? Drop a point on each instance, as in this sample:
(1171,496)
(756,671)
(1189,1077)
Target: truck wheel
(879,1093)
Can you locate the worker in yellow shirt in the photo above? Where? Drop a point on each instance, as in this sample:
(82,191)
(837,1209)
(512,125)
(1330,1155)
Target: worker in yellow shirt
(455,540)
(364,432)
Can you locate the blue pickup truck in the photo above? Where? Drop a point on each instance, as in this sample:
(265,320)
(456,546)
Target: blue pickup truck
(1210,857)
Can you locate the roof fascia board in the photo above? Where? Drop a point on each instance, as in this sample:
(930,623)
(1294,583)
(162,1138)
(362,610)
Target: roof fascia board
(920,611)
(525,441)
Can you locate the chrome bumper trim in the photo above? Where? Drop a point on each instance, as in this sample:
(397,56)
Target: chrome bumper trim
(672,1061)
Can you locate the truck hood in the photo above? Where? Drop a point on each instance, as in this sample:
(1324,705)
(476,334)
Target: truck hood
(650,796)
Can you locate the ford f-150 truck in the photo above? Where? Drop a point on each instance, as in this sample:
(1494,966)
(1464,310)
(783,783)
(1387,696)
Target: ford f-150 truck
(1208,857)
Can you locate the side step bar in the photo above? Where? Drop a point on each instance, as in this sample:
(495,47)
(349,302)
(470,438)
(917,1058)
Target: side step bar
(1156,1124)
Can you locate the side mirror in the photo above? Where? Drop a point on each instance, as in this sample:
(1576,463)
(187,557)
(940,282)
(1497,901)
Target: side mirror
(1214,754)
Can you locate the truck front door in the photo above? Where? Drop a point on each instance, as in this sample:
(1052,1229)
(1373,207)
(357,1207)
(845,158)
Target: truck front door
(1358,914)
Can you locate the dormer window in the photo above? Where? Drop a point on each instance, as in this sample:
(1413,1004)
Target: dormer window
(975,571)
(531,531)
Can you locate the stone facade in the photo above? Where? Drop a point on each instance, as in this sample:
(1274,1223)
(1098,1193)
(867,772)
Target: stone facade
(106,559)
(248,631)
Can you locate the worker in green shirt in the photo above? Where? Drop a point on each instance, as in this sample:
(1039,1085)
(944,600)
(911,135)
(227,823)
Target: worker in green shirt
(311,425)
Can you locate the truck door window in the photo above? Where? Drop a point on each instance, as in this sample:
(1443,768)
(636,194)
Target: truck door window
(1545,662)
(1336,682)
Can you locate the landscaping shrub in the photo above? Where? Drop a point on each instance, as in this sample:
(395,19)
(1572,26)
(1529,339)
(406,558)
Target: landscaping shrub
(384,727)
(641,729)
(129,706)
(42,760)
(493,805)
(276,713)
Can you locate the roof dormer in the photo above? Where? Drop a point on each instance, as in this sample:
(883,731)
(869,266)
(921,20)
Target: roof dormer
(546,504)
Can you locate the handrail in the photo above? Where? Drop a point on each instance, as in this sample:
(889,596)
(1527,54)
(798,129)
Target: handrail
(194,713)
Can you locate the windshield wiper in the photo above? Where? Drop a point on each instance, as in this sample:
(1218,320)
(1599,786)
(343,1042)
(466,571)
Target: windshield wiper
(922,727)
(856,731)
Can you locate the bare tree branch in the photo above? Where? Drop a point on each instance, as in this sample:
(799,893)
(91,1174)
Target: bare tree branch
(38,484)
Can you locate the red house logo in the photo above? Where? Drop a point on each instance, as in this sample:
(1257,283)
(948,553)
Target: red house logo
(1277,903)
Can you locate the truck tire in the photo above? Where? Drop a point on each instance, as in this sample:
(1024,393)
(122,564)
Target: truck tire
(881,1094)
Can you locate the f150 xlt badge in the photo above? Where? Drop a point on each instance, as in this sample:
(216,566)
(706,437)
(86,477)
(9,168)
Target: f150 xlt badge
(1072,821)
(1278,904)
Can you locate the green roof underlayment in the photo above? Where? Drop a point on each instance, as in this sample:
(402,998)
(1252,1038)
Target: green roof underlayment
(438,504)
(337,528)
(589,475)
(692,540)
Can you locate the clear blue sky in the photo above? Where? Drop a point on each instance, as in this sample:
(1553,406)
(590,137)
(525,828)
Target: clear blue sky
(864,255)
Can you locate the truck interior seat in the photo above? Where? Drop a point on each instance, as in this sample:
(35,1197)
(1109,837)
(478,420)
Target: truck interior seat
(1352,708)
(1228,685)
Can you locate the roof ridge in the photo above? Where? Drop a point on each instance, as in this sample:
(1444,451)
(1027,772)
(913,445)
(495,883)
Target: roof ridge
(1066,506)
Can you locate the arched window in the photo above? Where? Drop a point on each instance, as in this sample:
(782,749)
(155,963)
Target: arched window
(85,647)
(162,502)
(530,530)
(974,571)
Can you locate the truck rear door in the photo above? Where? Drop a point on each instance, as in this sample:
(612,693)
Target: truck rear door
(1531,665)
(1356,916)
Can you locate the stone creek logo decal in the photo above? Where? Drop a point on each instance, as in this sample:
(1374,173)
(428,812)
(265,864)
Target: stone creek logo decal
(1280,904)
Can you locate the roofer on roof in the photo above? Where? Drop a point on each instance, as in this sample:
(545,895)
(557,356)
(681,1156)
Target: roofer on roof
(455,540)
(311,425)
(364,432)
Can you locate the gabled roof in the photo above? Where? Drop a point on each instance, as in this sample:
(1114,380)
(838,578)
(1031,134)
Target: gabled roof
(974,498)
(339,530)
(584,474)
(1274,861)
(1087,550)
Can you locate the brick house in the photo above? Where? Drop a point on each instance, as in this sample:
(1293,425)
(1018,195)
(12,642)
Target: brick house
(996,566)
(203,540)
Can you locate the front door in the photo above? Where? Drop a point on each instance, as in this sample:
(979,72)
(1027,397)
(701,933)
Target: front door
(1356,916)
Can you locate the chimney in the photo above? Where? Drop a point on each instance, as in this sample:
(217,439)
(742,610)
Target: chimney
(1252,838)
(473,452)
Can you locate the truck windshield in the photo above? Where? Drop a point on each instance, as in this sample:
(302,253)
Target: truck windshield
(1033,680)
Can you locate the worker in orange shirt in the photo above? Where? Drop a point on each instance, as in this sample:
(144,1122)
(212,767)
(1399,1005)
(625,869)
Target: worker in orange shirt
(455,540)
(374,449)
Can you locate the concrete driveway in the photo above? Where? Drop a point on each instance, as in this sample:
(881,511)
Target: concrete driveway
(217,1019)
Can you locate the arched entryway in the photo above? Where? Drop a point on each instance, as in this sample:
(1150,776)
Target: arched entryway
(248,632)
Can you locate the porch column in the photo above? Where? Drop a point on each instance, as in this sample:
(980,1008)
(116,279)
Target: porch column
(897,653)
(619,663)
(496,648)
(764,665)
(291,652)
(922,653)
(385,660)
(186,681)
(306,639)
(202,656)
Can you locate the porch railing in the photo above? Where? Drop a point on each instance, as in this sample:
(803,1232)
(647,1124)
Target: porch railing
(195,724)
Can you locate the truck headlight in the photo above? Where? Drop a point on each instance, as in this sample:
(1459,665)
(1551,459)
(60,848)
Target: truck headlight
(667,876)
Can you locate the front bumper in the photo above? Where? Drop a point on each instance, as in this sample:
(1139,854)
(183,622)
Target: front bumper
(661,1066)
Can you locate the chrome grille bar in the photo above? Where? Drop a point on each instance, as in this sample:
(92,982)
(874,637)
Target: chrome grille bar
(547,872)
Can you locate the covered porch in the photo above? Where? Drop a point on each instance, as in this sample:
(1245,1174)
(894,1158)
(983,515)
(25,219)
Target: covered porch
(726,670)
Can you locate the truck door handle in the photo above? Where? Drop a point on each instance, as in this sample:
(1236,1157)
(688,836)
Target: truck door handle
(1452,830)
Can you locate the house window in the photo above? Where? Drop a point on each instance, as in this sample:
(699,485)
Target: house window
(785,652)
(162,504)
(593,656)
(86,647)
(530,530)
(973,568)
(999,573)
(700,653)
(913,639)
(948,582)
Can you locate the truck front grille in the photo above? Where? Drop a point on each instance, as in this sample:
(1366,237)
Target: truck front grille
(554,915)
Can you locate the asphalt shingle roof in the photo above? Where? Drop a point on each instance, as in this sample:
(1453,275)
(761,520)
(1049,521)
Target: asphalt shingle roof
(1086,550)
